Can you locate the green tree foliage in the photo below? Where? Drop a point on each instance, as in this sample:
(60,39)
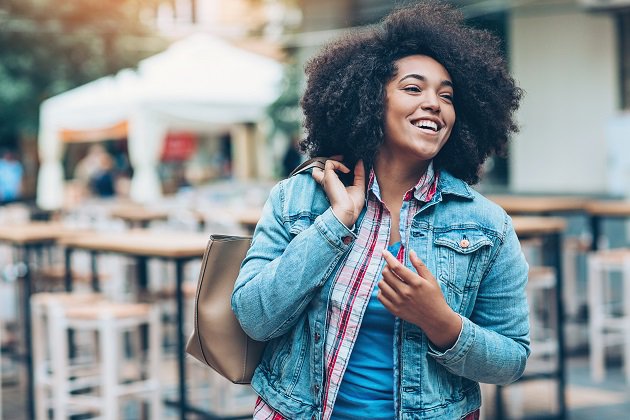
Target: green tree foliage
(285,111)
(50,46)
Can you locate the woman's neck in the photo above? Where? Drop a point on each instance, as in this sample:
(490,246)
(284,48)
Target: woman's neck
(395,178)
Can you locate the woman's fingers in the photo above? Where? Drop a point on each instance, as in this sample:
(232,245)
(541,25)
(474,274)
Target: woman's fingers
(386,301)
(335,165)
(359,174)
(332,164)
(397,268)
(318,175)
(393,284)
(346,201)
(398,277)
(421,267)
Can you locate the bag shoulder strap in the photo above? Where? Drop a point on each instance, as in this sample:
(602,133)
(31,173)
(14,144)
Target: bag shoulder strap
(316,162)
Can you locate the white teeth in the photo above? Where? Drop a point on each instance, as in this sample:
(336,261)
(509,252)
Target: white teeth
(427,124)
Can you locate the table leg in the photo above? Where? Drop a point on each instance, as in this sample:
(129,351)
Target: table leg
(26,304)
(181,339)
(93,262)
(499,411)
(595,231)
(68,263)
(142,272)
(556,243)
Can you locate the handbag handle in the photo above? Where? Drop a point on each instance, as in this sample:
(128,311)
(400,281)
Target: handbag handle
(316,162)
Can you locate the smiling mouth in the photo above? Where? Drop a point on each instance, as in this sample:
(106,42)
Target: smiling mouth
(427,125)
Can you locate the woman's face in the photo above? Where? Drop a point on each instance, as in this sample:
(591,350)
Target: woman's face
(419,112)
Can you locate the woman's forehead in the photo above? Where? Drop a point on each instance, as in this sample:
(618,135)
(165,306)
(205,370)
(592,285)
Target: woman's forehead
(422,65)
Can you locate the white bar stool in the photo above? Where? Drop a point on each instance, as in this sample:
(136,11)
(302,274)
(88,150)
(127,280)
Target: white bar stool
(609,320)
(541,297)
(42,366)
(108,320)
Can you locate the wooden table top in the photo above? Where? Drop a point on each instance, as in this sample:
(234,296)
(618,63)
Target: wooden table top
(248,218)
(141,242)
(523,225)
(532,225)
(538,204)
(619,208)
(138,213)
(37,232)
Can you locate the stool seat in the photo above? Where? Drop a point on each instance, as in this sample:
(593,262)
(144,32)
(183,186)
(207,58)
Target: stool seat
(65,298)
(613,259)
(541,277)
(106,310)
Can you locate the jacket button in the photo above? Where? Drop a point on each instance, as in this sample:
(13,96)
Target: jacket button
(317,337)
(464,243)
(346,239)
(316,387)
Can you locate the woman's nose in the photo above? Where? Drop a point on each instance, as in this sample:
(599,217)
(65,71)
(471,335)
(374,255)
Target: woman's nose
(430,101)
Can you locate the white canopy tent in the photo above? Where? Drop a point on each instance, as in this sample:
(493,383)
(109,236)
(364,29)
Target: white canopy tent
(198,82)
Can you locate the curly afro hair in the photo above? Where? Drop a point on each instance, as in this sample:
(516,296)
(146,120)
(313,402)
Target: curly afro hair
(344,101)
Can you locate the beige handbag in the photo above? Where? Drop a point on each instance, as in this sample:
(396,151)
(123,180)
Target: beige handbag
(218,339)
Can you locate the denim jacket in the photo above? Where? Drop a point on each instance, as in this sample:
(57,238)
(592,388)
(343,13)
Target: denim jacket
(282,296)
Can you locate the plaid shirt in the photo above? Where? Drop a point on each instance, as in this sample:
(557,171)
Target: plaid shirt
(355,281)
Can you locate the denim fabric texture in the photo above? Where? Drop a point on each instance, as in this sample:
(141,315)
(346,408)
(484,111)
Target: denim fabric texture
(467,242)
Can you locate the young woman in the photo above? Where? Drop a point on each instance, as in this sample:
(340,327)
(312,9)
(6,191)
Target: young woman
(391,290)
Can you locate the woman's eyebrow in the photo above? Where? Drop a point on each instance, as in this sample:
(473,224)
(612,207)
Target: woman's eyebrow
(424,79)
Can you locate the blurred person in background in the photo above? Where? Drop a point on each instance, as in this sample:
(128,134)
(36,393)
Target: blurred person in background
(11,174)
(96,171)
(392,290)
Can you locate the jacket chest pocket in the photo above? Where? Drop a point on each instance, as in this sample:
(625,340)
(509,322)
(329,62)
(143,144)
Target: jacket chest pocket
(462,255)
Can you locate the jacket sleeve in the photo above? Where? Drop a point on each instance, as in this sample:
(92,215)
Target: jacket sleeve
(493,345)
(281,273)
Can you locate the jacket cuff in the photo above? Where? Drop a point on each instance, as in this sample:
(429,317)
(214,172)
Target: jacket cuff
(334,231)
(460,348)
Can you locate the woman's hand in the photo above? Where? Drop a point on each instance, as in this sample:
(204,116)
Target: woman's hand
(346,202)
(417,298)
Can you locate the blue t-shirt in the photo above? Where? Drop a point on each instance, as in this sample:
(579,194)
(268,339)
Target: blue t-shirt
(367,387)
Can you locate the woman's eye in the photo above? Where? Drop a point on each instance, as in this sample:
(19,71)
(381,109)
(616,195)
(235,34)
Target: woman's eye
(412,89)
(447,96)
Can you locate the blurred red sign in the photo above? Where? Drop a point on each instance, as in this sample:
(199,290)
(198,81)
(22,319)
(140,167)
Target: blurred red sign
(179,145)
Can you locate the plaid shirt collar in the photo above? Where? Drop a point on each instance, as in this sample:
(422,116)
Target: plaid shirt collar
(423,191)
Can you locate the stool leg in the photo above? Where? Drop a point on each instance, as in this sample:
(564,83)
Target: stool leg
(595,306)
(155,350)
(39,362)
(569,278)
(626,314)
(109,369)
(59,359)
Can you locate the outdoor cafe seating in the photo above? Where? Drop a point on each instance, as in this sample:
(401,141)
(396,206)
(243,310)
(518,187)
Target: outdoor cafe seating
(80,278)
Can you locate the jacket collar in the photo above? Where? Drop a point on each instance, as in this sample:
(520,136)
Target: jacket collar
(450,185)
